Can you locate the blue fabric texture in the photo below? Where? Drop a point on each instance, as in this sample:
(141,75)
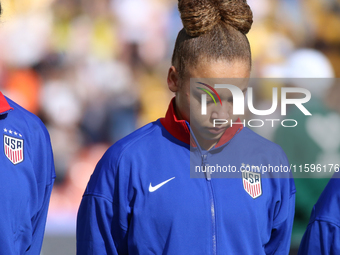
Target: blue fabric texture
(124,212)
(26,180)
(323,231)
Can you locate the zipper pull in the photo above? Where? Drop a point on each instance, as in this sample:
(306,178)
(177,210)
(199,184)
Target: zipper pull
(206,166)
(208,175)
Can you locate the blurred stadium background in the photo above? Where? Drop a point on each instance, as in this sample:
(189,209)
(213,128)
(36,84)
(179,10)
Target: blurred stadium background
(94,71)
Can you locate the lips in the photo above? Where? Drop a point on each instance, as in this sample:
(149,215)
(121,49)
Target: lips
(216,131)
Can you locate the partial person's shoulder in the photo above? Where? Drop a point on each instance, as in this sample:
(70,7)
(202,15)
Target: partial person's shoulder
(328,206)
(119,158)
(25,127)
(324,223)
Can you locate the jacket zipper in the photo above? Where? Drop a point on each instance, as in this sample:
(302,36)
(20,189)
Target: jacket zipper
(211,195)
(212,204)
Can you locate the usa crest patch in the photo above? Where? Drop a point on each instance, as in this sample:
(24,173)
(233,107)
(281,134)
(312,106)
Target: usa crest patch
(252,184)
(14,149)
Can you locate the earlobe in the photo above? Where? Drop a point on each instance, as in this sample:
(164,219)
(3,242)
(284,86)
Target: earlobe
(173,79)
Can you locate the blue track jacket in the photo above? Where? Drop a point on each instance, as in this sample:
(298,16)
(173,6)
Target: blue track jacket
(26,179)
(141,198)
(322,236)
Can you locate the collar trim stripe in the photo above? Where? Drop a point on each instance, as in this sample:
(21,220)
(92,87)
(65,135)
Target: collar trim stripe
(177,128)
(4,106)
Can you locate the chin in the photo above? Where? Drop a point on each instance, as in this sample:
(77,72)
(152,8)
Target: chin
(209,136)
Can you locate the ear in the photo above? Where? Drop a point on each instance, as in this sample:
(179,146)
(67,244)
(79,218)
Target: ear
(173,79)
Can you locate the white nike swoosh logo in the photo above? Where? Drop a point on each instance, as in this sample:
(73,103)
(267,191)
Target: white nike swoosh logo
(152,189)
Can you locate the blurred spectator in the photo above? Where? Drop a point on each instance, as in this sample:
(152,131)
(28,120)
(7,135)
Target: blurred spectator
(66,197)
(24,85)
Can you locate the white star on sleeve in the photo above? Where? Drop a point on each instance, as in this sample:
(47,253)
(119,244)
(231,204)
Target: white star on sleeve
(5,129)
(10,131)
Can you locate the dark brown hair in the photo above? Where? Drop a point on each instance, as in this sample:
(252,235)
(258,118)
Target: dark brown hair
(213,30)
(0,9)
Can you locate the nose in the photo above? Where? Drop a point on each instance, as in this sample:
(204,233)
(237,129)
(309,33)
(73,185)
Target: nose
(220,111)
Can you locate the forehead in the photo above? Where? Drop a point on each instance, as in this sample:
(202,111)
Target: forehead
(220,69)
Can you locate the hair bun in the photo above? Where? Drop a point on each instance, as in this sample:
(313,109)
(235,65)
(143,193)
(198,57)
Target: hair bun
(237,14)
(200,16)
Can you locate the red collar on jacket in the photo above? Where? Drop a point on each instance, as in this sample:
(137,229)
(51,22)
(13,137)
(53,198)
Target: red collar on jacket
(180,130)
(4,106)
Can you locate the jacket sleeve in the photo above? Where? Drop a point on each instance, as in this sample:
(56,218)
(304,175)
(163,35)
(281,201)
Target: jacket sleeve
(102,220)
(38,223)
(321,237)
(284,210)
(43,164)
(279,242)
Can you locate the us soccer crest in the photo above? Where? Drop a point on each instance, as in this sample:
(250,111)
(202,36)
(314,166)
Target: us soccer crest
(252,184)
(14,149)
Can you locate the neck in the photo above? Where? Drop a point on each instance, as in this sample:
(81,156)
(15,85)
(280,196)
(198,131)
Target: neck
(206,144)
(178,114)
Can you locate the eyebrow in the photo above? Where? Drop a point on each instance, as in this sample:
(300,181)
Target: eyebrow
(200,91)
